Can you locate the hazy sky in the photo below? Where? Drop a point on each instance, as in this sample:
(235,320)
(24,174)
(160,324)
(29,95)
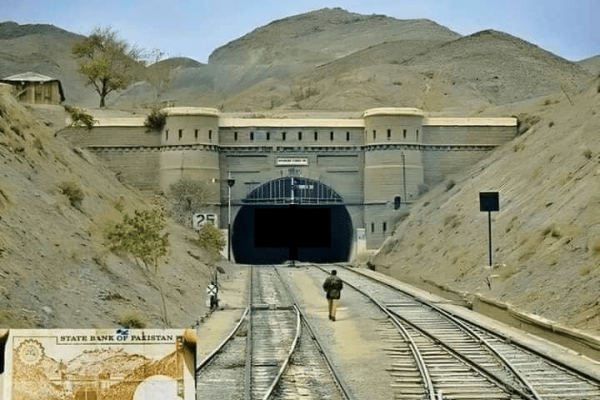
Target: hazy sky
(568,28)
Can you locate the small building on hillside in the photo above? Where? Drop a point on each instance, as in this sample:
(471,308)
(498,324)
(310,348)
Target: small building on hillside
(34,88)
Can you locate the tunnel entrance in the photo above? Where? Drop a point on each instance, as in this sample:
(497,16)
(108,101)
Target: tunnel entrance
(292,218)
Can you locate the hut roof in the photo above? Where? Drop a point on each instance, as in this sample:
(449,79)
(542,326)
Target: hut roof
(34,77)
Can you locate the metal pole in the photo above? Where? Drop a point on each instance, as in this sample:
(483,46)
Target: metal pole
(490,232)
(228,218)
(404,175)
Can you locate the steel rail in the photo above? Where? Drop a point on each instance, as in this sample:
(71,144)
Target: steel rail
(480,339)
(344,389)
(248,371)
(488,345)
(412,345)
(289,356)
(482,370)
(209,357)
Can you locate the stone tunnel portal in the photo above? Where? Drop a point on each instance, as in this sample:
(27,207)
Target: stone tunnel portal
(292,218)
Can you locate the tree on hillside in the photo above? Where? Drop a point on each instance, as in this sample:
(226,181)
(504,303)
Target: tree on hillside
(108,63)
(188,196)
(141,236)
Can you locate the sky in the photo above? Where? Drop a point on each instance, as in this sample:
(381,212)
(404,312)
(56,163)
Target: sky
(194,28)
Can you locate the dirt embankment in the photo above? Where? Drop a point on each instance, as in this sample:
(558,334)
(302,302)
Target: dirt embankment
(56,270)
(546,236)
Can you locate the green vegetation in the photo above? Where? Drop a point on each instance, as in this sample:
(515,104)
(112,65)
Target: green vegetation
(108,63)
(210,238)
(141,236)
(80,118)
(156,120)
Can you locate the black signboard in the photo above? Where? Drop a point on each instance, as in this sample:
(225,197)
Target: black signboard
(489,201)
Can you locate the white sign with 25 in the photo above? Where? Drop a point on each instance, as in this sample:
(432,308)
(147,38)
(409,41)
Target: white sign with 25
(199,219)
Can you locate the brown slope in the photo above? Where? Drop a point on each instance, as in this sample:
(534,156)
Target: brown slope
(474,72)
(591,64)
(546,236)
(501,67)
(287,48)
(321,36)
(55,268)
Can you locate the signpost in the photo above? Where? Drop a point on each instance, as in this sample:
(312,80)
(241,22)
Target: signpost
(199,219)
(489,201)
(230,183)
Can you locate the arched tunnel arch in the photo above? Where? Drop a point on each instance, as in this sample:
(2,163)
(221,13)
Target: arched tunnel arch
(292,218)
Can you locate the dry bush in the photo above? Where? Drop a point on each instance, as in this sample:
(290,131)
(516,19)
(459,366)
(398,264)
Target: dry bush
(587,153)
(73,192)
(452,221)
(132,318)
(551,230)
(156,120)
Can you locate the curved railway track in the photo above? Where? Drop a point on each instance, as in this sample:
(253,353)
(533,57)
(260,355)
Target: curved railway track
(436,355)
(268,355)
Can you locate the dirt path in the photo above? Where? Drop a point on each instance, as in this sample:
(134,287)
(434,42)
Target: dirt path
(352,339)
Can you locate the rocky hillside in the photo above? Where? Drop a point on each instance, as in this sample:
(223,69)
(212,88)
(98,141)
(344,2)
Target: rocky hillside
(55,269)
(468,73)
(546,237)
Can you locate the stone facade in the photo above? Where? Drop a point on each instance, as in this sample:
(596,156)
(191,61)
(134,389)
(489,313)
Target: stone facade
(389,153)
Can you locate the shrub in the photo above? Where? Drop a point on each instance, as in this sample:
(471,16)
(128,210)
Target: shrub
(450,184)
(140,236)
(80,118)
(73,193)
(156,120)
(210,238)
(132,319)
(587,153)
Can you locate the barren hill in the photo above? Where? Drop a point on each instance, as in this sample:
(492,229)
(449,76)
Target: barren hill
(321,36)
(547,234)
(55,268)
(473,72)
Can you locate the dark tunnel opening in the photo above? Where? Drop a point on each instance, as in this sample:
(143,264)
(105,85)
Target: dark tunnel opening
(273,234)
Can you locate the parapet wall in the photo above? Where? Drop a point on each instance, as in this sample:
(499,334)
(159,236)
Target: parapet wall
(390,153)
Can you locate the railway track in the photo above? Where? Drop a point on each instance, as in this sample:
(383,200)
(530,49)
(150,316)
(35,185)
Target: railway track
(272,353)
(435,355)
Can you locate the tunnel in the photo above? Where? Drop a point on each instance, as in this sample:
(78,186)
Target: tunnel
(292,218)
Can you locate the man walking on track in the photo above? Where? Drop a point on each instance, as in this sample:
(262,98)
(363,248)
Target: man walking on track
(333,286)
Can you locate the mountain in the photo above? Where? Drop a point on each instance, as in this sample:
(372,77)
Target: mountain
(328,59)
(321,36)
(592,64)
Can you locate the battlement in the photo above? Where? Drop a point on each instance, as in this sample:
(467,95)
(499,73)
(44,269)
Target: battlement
(371,160)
